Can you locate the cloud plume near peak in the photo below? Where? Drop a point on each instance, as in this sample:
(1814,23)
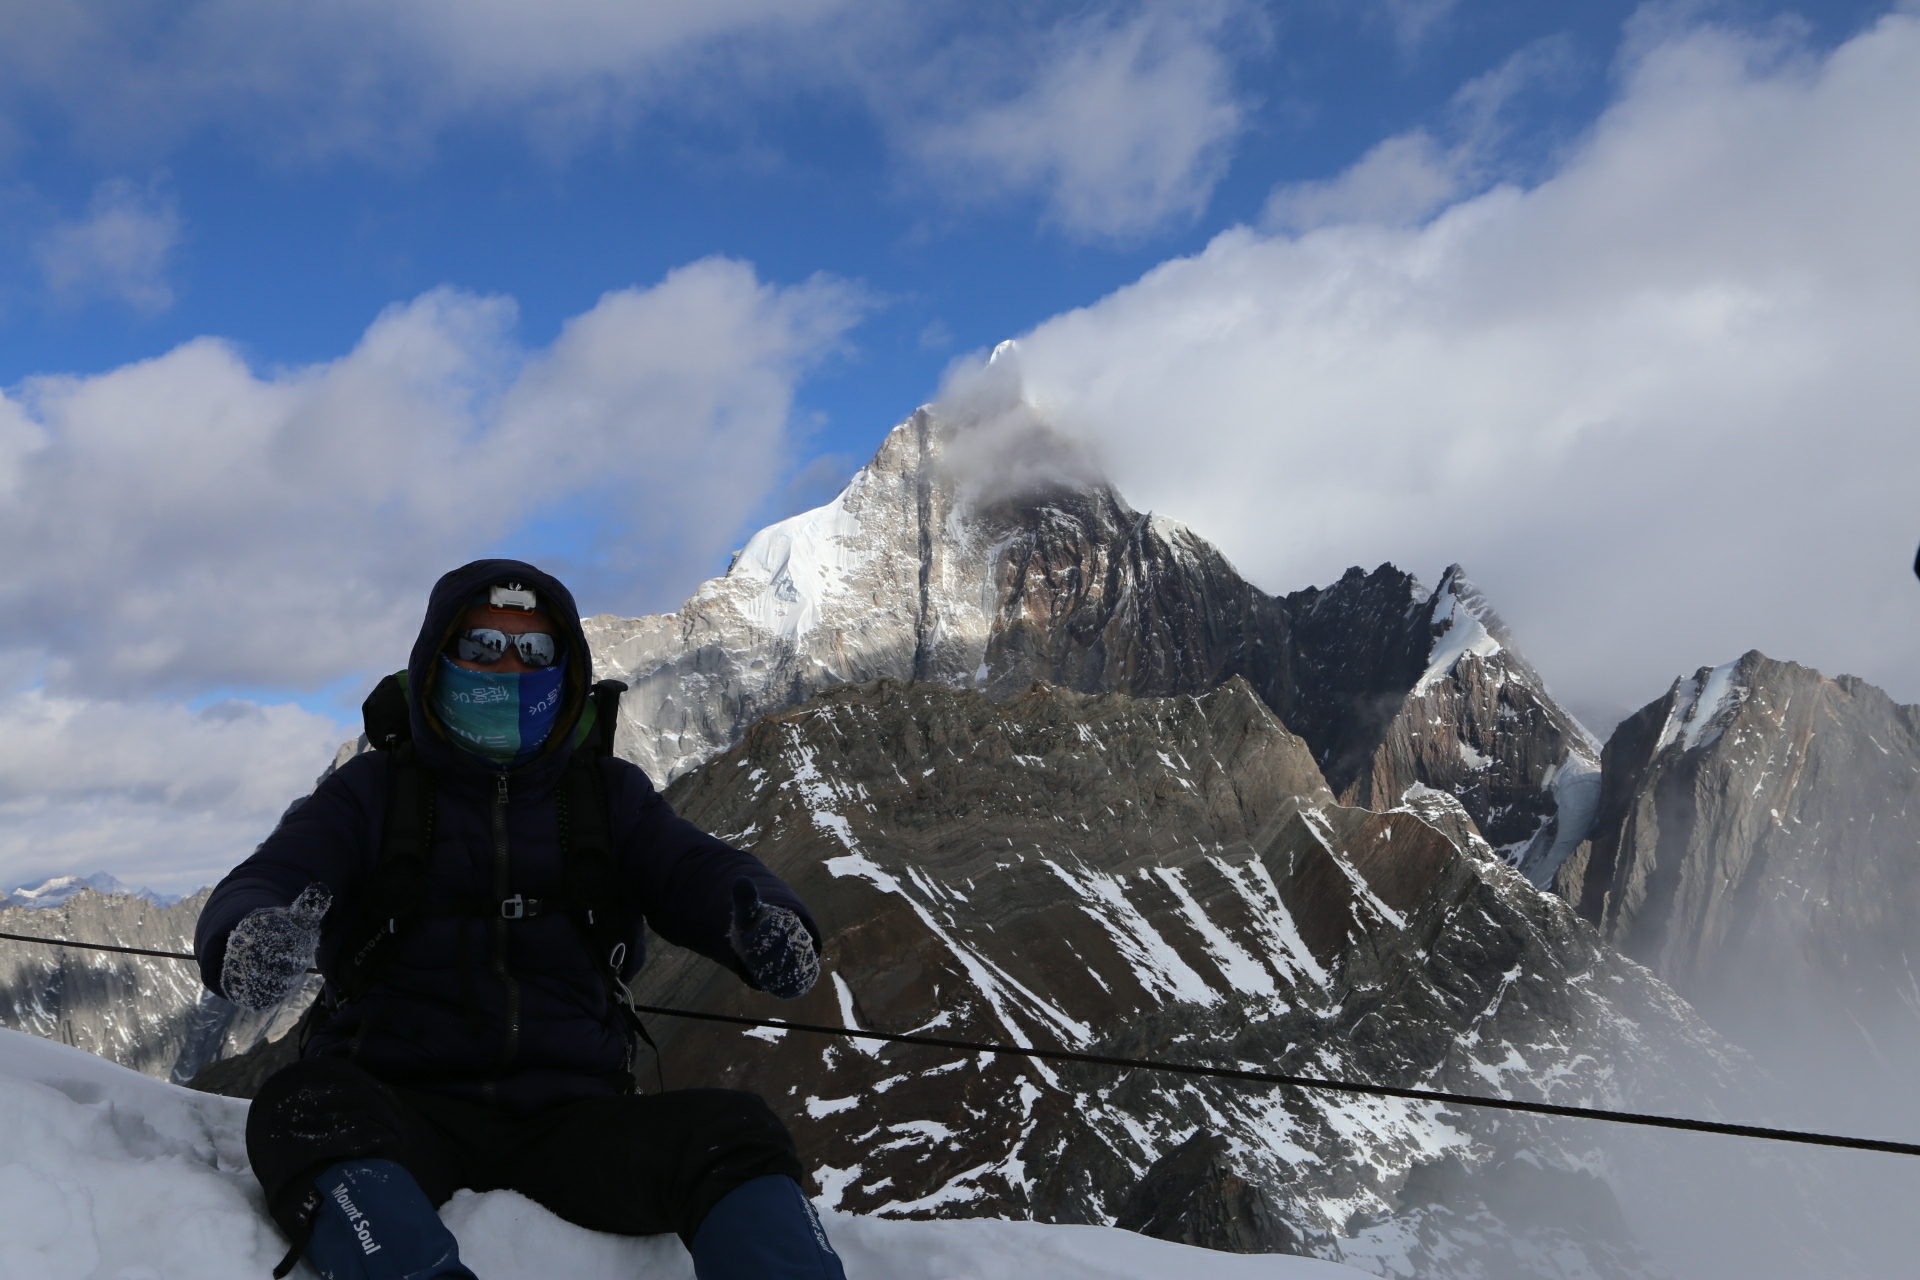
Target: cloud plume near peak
(187,525)
(1661,404)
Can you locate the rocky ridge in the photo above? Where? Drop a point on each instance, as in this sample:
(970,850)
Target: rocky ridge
(1758,847)
(1167,877)
(134,1010)
(143,1012)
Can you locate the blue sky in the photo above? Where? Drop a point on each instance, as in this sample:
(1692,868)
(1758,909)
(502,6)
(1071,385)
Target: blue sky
(291,256)
(300,306)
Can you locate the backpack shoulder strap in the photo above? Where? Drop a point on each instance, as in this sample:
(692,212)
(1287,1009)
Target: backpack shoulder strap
(398,891)
(599,720)
(385,714)
(586,835)
(601,914)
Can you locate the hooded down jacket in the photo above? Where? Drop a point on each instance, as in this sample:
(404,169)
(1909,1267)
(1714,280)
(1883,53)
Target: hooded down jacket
(514,1012)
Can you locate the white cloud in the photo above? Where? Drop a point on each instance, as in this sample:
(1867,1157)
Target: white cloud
(118,250)
(361,77)
(1404,179)
(1661,404)
(1411,21)
(1118,120)
(187,522)
(1122,126)
(150,791)
(1397,182)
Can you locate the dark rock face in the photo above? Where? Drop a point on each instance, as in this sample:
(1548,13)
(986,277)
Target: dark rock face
(1096,597)
(1756,847)
(1192,1195)
(1361,644)
(1471,717)
(1389,684)
(1158,877)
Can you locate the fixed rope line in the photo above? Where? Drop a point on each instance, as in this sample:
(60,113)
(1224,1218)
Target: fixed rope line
(106,946)
(97,946)
(1311,1082)
(1181,1068)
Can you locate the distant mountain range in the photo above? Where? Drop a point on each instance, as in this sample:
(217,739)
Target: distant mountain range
(53,892)
(144,1012)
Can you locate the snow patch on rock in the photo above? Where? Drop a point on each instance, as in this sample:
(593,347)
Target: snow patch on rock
(1700,706)
(1463,623)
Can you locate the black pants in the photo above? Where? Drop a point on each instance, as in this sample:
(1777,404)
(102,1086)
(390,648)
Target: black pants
(633,1165)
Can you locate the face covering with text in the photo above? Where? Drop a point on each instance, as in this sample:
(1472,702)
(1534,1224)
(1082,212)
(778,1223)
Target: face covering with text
(498,716)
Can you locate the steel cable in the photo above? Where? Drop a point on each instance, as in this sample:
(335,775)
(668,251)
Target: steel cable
(1217,1073)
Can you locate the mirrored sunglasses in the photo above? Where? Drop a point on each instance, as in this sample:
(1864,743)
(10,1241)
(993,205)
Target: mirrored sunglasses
(486,645)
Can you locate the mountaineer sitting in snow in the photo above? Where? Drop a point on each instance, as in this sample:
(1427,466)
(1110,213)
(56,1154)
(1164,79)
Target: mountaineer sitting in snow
(474,892)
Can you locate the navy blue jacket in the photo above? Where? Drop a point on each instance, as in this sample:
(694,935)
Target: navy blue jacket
(514,1012)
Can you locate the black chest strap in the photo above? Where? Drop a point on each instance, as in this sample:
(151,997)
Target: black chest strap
(398,893)
(593,894)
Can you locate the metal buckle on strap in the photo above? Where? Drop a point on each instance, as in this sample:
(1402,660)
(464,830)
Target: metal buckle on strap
(513,908)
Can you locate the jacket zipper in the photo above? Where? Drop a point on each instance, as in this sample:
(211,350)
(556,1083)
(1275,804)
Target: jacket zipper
(500,884)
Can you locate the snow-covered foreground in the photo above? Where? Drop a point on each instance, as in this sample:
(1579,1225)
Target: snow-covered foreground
(112,1175)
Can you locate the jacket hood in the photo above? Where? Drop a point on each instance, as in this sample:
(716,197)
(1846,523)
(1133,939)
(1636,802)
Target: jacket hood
(451,597)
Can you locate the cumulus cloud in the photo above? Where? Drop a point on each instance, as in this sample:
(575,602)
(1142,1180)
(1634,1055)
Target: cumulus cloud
(119,250)
(1003,447)
(1401,180)
(1661,403)
(187,522)
(1121,126)
(150,791)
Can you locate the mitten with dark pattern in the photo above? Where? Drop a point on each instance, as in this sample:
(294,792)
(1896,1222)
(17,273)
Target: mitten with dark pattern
(773,943)
(269,952)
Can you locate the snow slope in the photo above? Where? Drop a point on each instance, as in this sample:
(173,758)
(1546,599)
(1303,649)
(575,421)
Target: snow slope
(110,1175)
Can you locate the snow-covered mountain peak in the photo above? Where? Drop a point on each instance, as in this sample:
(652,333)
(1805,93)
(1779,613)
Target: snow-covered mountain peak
(53,892)
(1463,623)
(894,577)
(793,567)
